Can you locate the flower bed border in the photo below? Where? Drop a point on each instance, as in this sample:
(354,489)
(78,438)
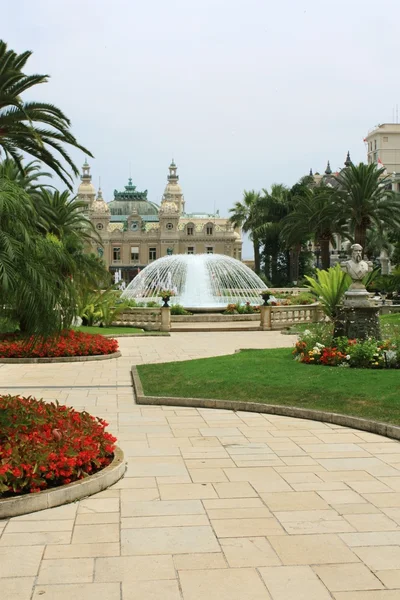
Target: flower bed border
(64,494)
(384,429)
(61,359)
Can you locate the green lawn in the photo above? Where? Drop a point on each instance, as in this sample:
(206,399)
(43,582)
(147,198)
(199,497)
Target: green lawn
(393,319)
(109,330)
(273,377)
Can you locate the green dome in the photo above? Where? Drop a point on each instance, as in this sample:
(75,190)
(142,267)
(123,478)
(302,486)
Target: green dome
(130,200)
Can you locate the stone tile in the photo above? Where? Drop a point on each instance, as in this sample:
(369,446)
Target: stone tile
(58,513)
(240,489)
(371,522)
(342,578)
(188,562)
(22,561)
(239,513)
(97,518)
(82,591)
(164,521)
(342,497)
(135,483)
(223,584)
(82,550)
(390,578)
(108,532)
(233,503)
(380,558)
(382,538)
(151,590)
(293,583)
(17,588)
(392,482)
(311,549)
(163,507)
(388,500)
(36,538)
(207,475)
(294,501)
(249,552)
(137,568)
(66,570)
(33,526)
(91,506)
(139,495)
(187,491)
(368,595)
(209,463)
(356,509)
(168,540)
(246,527)
(365,487)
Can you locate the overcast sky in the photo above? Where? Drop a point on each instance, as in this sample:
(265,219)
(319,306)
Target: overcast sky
(242,94)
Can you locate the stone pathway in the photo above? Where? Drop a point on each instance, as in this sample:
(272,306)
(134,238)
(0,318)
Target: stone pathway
(215,505)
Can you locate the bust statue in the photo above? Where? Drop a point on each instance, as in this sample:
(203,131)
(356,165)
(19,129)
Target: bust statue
(356,267)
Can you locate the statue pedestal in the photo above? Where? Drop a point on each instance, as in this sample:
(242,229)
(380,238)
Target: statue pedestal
(356,295)
(361,322)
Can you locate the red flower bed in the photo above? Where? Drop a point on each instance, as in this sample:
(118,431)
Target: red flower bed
(44,445)
(69,343)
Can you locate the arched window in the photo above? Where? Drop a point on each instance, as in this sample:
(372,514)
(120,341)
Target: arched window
(190,229)
(209,229)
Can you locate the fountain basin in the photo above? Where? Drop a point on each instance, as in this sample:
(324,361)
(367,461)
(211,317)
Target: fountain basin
(199,282)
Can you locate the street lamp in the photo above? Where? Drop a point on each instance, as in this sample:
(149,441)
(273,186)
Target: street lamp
(317,251)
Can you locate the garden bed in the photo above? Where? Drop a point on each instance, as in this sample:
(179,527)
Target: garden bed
(69,345)
(272,377)
(46,445)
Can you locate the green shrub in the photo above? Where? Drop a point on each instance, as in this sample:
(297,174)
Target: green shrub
(329,289)
(177,309)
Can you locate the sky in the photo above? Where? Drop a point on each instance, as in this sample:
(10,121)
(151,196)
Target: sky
(242,94)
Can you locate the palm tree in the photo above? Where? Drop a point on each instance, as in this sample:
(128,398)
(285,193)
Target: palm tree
(64,216)
(273,207)
(245,215)
(36,128)
(367,201)
(317,213)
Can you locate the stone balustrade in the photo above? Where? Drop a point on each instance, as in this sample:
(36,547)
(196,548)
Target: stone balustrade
(150,319)
(280,317)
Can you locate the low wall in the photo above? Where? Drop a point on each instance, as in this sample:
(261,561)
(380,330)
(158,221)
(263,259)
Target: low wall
(289,291)
(150,319)
(281,317)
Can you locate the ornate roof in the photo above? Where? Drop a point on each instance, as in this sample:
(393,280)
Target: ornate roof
(130,200)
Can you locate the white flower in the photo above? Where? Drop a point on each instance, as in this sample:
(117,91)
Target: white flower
(319,345)
(348,357)
(307,332)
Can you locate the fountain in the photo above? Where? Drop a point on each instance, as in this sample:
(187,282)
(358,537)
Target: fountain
(200,282)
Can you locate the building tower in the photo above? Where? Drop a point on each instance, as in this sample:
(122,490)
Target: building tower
(86,191)
(173,191)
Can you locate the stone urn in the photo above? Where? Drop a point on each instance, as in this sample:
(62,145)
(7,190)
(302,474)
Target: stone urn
(166,299)
(266,296)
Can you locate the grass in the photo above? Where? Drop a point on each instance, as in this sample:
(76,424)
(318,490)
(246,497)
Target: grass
(273,377)
(108,330)
(393,319)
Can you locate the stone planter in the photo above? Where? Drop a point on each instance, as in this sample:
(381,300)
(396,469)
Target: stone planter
(64,494)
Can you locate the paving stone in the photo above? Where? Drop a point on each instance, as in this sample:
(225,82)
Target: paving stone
(137,568)
(16,588)
(82,550)
(168,540)
(150,590)
(246,527)
(294,501)
(186,562)
(187,491)
(223,584)
(82,591)
(380,558)
(311,549)
(293,583)
(338,578)
(66,570)
(249,552)
(21,561)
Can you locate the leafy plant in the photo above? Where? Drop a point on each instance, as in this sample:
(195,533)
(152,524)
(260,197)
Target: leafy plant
(177,309)
(329,288)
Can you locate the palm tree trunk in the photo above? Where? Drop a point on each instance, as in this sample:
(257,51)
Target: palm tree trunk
(325,254)
(294,263)
(256,246)
(274,268)
(360,234)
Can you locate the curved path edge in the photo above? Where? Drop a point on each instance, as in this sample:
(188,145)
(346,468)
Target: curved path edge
(384,429)
(28,503)
(61,359)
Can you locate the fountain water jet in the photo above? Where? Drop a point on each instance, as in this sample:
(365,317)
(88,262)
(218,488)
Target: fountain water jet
(199,282)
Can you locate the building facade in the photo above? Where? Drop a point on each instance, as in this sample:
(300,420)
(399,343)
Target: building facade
(135,231)
(383,148)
